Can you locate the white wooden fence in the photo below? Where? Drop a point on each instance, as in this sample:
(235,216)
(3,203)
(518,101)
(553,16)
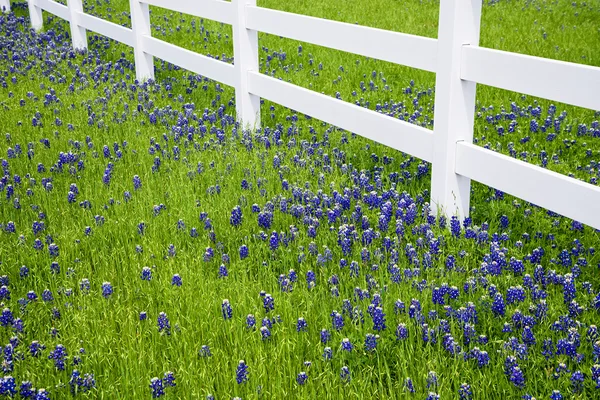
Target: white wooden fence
(455,57)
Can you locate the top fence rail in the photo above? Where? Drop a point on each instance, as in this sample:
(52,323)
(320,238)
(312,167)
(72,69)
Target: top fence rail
(456,58)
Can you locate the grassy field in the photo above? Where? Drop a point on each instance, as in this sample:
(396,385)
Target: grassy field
(112,190)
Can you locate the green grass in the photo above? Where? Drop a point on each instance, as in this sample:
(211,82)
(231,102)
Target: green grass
(124,353)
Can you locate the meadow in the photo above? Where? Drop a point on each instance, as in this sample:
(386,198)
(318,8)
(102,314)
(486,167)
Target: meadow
(151,247)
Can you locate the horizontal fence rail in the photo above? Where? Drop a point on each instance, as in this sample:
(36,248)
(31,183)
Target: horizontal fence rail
(202,65)
(108,29)
(392,132)
(456,59)
(566,82)
(567,196)
(400,48)
(217,10)
(54,8)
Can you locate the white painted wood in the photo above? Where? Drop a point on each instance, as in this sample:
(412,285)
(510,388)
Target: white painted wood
(566,82)
(197,63)
(5,6)
(554,191)
(52,7)
(245,53)
(400,135)
(140,24)
(217,10)
(454,105)
(400,48)
(108,29)
(78,32)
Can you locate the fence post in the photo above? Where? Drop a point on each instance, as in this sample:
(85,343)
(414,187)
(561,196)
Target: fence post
(454,113)
(5,6)
(140,24)
(78,32)
(245,53)
(35,15)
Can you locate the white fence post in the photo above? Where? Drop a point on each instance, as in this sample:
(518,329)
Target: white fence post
(245,53)
(454,105)
(140,24)
(35,15)
(78,32)
(5,6)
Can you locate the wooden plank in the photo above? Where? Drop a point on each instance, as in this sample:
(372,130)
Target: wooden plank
(566,196)
(216,10)
(561,81)
(400,48)
(198,63)
(400,135)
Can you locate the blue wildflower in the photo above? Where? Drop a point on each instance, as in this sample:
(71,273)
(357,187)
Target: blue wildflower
(301,378)
(226,309)
(163,323)
(241,372)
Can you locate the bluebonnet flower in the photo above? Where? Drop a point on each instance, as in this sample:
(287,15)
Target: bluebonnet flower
(268,302)
(450,345)
(6,317)
(137,182)
(36,348)
(432,379)
(146,274)
(301,378)
(4,293)
(243,251)
(26,390)
(498,307)
(223,273)
(569,291)
(432,396)
(143,315)
(301,325)
(528,337)
(310,279)
(399,307)
(516,377)
(337,321)
(556,395)
(401,332)
(408,385)
(265,332)
(241,372)
(176,280)
(53,250)
(371,342)
(236,216)
(42,394)
(226,309)
(59,354)
(158,390)
(325,336)
(347,345)
(84,285)
(345,374)
(203,352)
(107,290)
(265,219)
(250,321)
(163,323)
(378,319)
(327,353)
(577,379)
(169,379)
(8,386)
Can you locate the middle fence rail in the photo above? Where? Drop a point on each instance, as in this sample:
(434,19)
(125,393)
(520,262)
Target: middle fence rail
(456,58)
